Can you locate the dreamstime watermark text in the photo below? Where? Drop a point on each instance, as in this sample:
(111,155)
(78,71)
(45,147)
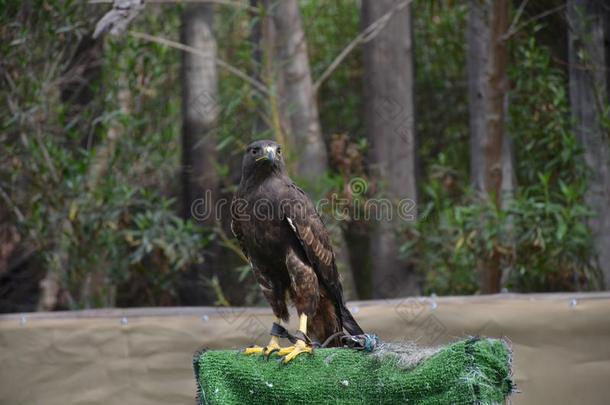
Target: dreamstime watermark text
(340,208)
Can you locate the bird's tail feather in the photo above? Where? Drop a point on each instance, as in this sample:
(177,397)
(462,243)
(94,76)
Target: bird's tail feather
(349,323)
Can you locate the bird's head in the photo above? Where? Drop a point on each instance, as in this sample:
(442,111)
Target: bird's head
(263,158)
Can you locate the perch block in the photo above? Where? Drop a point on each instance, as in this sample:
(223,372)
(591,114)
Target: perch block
(473,371)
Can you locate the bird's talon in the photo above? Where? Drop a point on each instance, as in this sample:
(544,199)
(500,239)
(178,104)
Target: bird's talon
(298,348)
(269,353)
(284,350)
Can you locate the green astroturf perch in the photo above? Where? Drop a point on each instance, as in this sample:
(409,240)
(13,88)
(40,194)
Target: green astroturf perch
(473,371)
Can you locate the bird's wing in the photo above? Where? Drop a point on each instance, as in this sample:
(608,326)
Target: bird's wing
(302,217)
(236,230)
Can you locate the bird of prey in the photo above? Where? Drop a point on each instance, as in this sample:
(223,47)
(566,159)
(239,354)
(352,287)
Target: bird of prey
(284,238)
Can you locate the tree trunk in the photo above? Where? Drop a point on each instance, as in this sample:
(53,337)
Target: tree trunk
(491,160)
(588,99)
(388,103)
(607,46)
(200,182)
(478,44)
(358,240)
(297,98)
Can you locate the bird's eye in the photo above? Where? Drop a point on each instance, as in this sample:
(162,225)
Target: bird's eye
(279,151)
(255,150)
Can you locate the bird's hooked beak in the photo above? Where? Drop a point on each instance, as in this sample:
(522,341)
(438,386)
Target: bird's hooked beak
(269,154)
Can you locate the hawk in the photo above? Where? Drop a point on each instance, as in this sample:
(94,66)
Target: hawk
(284,238)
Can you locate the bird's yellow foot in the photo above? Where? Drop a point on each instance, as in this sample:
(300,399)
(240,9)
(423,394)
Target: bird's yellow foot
(291,352)
(272,347)
(284,350)
(253,350)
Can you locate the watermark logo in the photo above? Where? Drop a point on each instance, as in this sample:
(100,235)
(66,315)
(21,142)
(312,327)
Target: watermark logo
(358,186)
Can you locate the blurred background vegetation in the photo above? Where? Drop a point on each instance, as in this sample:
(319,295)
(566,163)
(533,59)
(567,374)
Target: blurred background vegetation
(92,171)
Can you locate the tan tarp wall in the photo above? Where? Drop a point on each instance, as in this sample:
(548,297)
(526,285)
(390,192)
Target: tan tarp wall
(143,356)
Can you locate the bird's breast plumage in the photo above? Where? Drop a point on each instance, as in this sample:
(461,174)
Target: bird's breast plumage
(262,223)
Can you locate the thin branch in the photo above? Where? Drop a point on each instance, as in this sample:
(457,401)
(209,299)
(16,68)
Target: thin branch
(10,203)
(518,15)
(221,299)
(47,157)
(237,4)
(366,35)
(255,83)
(512,31)
(22,258)
(228,243)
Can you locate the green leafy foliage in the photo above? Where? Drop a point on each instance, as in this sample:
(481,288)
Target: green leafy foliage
(89,181)
(329,27)
(540,236)
(441,93)
(92,186)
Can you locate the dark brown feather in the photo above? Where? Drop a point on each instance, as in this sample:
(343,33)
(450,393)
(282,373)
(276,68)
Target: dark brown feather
(289,248)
